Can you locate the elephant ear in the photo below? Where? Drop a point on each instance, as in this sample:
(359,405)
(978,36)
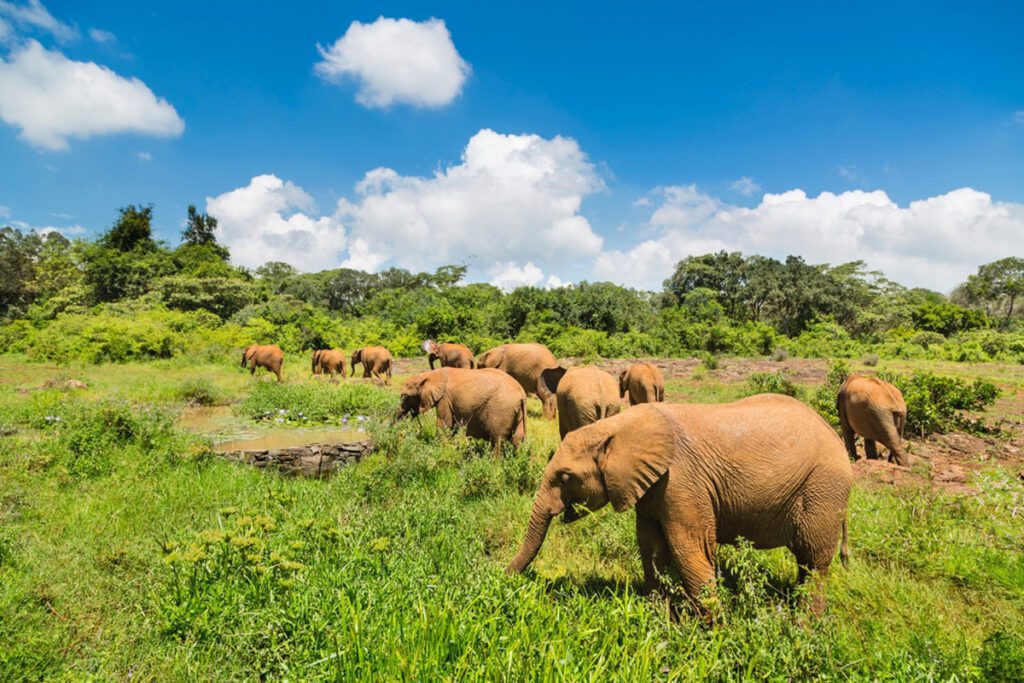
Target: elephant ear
(551,378)
(492,358)
(432,388)
(622,382)
(635,457)
(428,346)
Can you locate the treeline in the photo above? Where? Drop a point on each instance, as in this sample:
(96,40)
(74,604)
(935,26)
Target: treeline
(128,296)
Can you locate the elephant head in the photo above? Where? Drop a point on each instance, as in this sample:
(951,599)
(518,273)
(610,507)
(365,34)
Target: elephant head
(431,347)
(420,393)
(623,383)
(357,357)
(315,369)
(615,460)
(245,355)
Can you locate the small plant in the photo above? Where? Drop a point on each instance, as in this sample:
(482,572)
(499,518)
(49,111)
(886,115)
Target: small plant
(871,360)
(1002,658)
(780,354)
(199,391)
(710,361)
(771,383)
(303,404)
(935,403)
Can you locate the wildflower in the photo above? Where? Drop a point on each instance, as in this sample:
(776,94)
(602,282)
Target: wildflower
(297,545)
(228,511)
(211,536)
(243,541)
(382,544)
(291,566)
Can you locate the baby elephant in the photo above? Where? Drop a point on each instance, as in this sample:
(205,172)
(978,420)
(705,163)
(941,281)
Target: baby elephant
(268,356)
(376,361)
(489,403)
(643,382)
(875,410)
(583,395)
(329,362)
(766,468)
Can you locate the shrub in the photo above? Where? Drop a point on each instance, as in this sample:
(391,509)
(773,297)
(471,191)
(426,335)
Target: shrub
(936,403)
(771,383)
(824,397)
(871,360)
(199,391)
(1002,658)
(710,361)
(780,354)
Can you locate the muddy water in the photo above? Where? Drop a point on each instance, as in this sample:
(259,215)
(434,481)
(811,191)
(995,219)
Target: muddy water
(231,432)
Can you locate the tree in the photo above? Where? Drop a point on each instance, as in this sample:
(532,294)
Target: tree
(996,287)
(18,254)
(132,230)
(200,230)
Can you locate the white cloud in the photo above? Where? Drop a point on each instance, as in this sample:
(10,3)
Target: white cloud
(143,156)
(271,220)
(4,211)
(934,242)
(68,231)
(52,98)
(34,16)
(508,276)
(397,60)
(745,186)
(512,197)
(6,32)
(101,36)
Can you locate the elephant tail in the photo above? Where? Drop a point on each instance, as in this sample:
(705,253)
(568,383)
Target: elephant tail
(844,547)
(521,424)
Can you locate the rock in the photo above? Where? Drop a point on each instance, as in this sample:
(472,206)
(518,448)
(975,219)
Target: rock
(313,460)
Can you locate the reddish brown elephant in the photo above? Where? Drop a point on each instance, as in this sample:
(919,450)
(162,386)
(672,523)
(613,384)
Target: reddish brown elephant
(643,383)
(875,410)
(267,356)
(449,354)
(376,361)
(525,362)
(329,362)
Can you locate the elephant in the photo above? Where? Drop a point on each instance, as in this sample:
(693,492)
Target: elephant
(583,395)
(766,468)
(875,410)
(525,362)
(451,355)
(643,382)
(376,360)
(267,356)
(489,403)
(329,362)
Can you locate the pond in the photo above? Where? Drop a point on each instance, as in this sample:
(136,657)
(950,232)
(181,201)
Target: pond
(231,432)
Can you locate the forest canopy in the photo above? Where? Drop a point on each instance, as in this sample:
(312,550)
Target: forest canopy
(125,295)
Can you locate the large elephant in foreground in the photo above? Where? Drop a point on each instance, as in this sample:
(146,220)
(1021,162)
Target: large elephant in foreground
(269,356)
(489,403)
(525,362)
(875,410)
(766,468)
(643,383)
(329,362)
(584,395)
(376,361)
(451,355)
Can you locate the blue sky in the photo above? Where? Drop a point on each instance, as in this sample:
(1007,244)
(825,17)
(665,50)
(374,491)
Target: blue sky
(657,131)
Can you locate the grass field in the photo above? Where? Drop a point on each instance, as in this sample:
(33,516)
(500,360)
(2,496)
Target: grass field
(128,550)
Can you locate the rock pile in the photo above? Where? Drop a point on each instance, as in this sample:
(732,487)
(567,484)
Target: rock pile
(314,460)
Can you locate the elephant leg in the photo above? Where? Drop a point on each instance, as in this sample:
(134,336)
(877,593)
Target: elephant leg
(871,449)
(849,440)
(277,371)
(366,372)
(252,369)
(654,552)
(694,556)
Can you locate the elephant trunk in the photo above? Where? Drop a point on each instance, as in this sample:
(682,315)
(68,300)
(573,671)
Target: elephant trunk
(540,520)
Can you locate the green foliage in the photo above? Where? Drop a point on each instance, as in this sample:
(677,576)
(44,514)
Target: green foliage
(317,403)
(824,397)
(199,391)
(1002,658)
(771,383)
(937,403)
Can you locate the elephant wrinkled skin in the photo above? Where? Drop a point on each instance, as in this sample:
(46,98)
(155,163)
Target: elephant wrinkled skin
(450,355)
(329,362)
(766,468)
(267,356)
(583,395)
(643,383)
(490,404)
(525,362)
(376,361)
(875,410)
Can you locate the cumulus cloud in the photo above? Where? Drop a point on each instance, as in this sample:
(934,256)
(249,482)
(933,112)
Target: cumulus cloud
(52,98)
(34,16)
(274,220)
(934,242)
(511,200)
(745,186)
(396,60)
(508,276)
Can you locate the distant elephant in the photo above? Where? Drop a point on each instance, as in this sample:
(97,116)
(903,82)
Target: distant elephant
(525,362)
(451,355)
(875,410)
(269,356)
(643,382)
(583,395)
(376,361)
(489,403)
(766,468)
(329,362)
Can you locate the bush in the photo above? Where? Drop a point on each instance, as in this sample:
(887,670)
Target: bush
(780,354)
(771,383)
(199,391)
(871,360)
(824,397)
(709,361)
(935,403)
(1002,658)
